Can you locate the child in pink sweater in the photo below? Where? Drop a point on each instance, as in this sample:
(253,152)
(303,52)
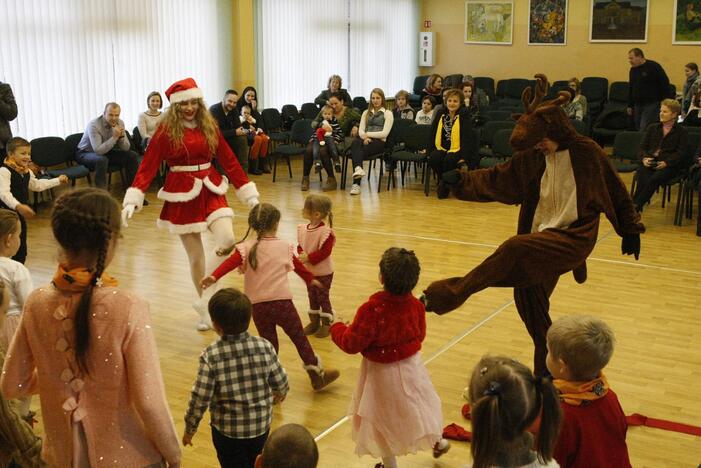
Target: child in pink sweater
(87,347)
(265,262)
(315,242)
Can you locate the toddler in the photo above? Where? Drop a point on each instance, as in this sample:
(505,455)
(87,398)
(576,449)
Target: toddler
(289,446)
(425,115)
(257,141)
(329,134)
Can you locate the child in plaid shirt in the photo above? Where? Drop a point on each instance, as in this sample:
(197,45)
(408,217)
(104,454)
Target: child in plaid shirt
(240,379)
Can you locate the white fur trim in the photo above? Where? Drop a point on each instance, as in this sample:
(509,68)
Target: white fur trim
(328,315)
(318,368)
(181,196)
(186,95)
(220,213)
(247,193)
(218,189)
(313,312)
(134,196)
(182,228)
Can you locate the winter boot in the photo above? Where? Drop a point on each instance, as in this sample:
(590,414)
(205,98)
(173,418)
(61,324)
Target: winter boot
(253,167)
(264,165)
(320,378)
(330,184)
(326,321)
(313,325)
(305,184)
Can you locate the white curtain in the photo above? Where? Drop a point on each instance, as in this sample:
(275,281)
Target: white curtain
(66,59)
(300,43)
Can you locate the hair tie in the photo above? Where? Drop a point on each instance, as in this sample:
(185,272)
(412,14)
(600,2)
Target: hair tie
(494,389)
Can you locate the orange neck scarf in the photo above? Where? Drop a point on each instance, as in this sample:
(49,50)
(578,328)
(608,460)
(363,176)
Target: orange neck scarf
(77,279)
(582,393)
(16,167)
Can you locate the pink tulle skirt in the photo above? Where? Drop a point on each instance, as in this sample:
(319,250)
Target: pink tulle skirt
(7,331)
(395,410)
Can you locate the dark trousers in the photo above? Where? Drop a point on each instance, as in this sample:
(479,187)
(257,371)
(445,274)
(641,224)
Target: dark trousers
(360,152)
(267,316)
(237,453)
(441,161)
(128,160)
(645,114)
(323,156)
(648,181)
(21,255)
(239,145)
(319,297)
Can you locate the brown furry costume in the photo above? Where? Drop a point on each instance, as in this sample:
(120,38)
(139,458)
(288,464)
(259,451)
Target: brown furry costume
(531,262)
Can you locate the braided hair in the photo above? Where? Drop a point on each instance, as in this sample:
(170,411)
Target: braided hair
(263,218)
(506,399)
(86,220)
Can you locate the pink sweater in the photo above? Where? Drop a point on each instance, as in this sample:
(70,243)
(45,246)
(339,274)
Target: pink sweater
(121,404)
(311,239)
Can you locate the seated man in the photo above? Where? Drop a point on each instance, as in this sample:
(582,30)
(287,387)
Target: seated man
(104,144)
(230,125)
(289,446)
(661,153)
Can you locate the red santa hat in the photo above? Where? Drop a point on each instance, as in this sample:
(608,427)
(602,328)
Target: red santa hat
(183,90)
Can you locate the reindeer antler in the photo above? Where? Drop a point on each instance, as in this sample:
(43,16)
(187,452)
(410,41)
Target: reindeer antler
(541,89)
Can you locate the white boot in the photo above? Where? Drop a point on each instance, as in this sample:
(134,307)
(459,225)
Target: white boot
(205,322)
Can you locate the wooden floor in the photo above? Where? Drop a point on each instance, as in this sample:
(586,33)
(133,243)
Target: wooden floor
(653,305)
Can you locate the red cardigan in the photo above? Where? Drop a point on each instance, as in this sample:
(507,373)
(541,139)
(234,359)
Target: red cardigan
(593,435)
(387,328)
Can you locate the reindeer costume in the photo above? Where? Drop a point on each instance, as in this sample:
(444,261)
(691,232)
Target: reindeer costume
(562,195)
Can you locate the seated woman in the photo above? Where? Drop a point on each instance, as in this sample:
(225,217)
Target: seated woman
(577,107)
(434,87)
(452,145)
(691,76)
(375,124)
(695,184)
(471,102)
(692,118)
(334,86)
(348,119)
(256,164)
(661,153)
(149,120)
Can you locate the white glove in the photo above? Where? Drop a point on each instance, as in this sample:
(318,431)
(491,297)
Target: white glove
(127,213)
(252,202)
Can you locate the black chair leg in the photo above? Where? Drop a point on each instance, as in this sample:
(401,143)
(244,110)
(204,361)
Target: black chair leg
(289,166)
(678,210)
(275,158)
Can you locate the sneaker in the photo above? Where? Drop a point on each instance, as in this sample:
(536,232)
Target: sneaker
(355,189)
(358,172)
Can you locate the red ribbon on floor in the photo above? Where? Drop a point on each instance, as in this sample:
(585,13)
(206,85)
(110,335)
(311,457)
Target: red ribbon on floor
(457,432)
(641,420)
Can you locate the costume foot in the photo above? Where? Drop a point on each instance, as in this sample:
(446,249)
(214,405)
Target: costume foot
(442,297)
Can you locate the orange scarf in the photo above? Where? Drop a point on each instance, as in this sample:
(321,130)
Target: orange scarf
(582,393)
(17,168)
(77,279)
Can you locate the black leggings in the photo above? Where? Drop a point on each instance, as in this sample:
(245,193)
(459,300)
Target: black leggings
(441,161)
(360,152)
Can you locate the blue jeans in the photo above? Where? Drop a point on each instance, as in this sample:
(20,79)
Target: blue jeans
(330,145)
(645,114)
(128,160)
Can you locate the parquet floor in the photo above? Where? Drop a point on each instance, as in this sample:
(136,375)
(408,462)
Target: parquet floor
(653,305)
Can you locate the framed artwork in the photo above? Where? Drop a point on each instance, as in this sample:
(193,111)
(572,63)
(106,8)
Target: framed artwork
(547,23)
(687,22)
(489,22)
(618,21)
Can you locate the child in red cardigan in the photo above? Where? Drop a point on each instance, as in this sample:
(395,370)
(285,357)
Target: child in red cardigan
(395,409)
(594,427)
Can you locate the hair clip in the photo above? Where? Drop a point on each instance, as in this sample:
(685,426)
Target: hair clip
(494,389)
(483,370)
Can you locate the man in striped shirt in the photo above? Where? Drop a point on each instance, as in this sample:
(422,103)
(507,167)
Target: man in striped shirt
(240,379)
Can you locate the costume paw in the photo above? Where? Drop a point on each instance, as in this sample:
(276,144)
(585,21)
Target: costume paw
(441,297)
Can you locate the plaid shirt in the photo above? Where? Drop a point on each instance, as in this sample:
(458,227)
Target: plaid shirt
(237,378)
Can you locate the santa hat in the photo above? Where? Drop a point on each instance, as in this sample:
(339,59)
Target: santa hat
(183,90)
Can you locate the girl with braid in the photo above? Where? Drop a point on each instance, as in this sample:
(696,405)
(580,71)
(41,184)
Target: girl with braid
(506,399)
(87,348)
(264,263)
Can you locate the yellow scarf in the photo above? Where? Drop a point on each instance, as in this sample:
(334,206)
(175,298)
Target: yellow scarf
(582,393)
(77,279)
(17,168)
(454,136)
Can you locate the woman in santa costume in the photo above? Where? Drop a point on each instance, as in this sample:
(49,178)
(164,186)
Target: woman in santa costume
(194,192)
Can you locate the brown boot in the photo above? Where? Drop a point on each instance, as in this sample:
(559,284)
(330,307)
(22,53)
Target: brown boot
(321,378)
(313,325)
(305,184)
(329,185)
(326,320)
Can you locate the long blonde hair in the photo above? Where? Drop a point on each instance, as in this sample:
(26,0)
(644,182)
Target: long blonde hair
(371,108)
(172,124)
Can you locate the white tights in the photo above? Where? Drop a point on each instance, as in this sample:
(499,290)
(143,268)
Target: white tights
(389,462)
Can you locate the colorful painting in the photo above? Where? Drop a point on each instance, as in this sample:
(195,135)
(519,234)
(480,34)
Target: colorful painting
(548,22)
(489,22)
(687,22)
(618,21)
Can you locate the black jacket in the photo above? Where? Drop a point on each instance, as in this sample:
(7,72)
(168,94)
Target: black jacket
(324,96)
(228,123)
(648,83)
(672,147)
(8,112)
(468,144)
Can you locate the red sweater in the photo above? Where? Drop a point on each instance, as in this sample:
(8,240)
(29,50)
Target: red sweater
(387,328)
(593,435)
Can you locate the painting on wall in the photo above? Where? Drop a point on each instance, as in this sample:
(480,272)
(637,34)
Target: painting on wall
(489,22)
(687,22)
(547,22)
(618,21)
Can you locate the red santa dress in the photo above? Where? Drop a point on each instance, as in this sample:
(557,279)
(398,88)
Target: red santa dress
(193,192)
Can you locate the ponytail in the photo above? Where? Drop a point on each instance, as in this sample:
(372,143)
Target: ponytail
(550,419)
(487,427)
(331,219)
